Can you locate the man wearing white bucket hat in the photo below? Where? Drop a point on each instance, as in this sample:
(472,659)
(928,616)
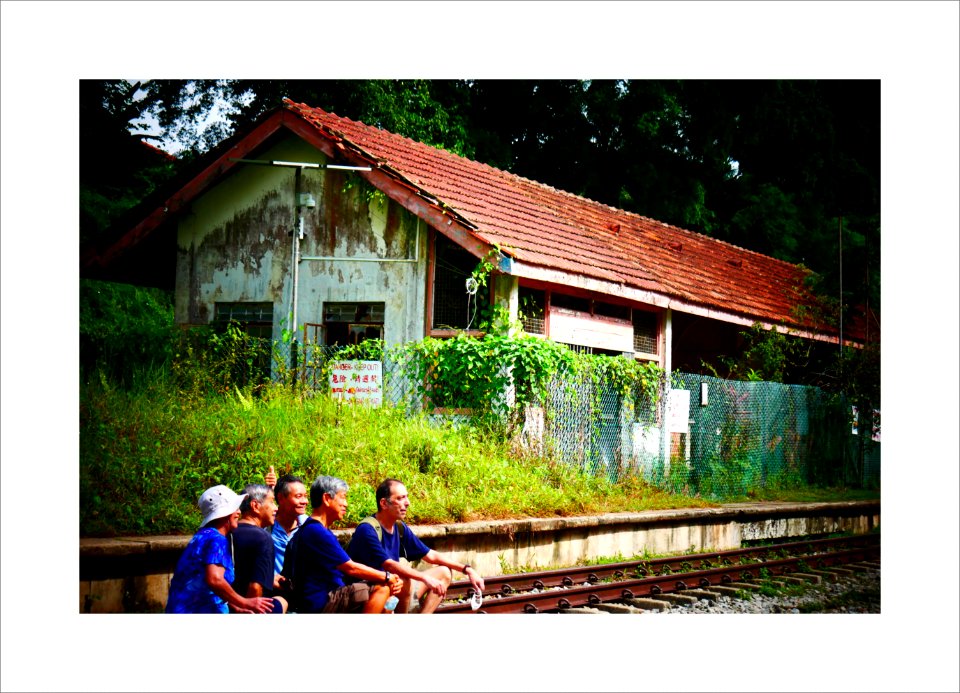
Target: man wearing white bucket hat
(201,581)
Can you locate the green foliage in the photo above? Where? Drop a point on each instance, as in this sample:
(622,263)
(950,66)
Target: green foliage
(768,355)
(486,267)
(209,360)
(473,373)
(365,192)
(125,330)
(857,375)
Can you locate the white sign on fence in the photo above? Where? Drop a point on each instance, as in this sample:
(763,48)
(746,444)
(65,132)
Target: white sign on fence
(357,381)
(678,411)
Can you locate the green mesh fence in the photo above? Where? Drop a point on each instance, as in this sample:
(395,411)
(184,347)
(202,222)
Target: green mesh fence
(744,436)
(731,438)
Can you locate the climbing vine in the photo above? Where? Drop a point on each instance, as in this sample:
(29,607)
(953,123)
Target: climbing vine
(475,374)
(486,266)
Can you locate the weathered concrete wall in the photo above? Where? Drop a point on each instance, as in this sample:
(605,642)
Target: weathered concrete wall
(565,541)
(235,245)
(133,575)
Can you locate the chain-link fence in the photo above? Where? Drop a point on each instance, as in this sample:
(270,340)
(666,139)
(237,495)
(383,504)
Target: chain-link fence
(716,438)
(701,435)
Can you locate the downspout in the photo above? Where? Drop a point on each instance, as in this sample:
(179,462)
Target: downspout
(295,272)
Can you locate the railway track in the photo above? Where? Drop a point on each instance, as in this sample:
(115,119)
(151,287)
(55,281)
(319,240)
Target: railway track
(586,586)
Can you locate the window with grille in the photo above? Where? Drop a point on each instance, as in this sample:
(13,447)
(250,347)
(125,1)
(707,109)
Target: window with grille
(532,303)
(352,323)
(256,319)
(646,328)
(453,307)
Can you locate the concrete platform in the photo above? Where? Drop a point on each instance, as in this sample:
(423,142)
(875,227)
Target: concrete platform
(131,574)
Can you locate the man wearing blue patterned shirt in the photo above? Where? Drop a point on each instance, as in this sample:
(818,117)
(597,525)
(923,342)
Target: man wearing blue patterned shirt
(201,581)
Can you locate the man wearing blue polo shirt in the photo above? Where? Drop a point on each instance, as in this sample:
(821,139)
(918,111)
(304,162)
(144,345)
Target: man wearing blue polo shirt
(427,587)
(291,495)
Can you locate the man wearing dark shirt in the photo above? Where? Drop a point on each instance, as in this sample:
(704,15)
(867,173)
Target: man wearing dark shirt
(318,565)
(385,551)
(253,547)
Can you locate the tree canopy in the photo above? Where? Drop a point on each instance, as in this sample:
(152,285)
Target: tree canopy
(790,169)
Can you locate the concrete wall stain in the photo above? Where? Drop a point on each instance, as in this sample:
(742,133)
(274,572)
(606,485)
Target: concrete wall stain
(235,245)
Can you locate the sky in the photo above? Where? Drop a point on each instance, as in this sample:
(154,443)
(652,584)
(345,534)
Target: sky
(911,46)
(171,143)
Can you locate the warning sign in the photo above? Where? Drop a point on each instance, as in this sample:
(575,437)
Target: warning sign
(357,381)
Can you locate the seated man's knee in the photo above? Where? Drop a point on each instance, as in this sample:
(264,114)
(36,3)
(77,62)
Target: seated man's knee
(445,575)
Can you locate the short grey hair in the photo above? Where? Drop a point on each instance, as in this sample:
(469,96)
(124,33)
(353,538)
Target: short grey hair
(255,492)
(325,484)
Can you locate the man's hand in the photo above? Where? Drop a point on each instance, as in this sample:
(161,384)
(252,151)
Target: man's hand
(256,605)
(270,479)
(434,585)
(476,579)
(396,584)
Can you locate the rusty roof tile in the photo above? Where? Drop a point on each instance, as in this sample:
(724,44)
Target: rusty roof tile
(543,226)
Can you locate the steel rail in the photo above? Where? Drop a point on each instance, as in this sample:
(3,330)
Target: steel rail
(567,577)
(588,595)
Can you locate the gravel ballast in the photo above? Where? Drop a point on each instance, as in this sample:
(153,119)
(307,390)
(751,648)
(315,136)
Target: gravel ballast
(851,594)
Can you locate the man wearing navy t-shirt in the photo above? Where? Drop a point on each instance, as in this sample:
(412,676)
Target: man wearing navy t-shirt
(427,587)
(317,564)
(253,548)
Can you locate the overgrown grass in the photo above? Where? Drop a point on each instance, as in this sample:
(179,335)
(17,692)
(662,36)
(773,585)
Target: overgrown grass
(146,455)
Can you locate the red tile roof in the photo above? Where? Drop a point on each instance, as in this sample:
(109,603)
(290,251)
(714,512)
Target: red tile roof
(546,227)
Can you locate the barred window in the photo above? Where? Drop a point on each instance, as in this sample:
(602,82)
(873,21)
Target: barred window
(567,302)
(453,307)
(255,318)
(352,323)
(532,303)
(646,328)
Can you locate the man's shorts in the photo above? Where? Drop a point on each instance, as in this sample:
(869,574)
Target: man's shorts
(349,599)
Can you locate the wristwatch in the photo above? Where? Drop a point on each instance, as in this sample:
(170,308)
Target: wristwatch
(387,577)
